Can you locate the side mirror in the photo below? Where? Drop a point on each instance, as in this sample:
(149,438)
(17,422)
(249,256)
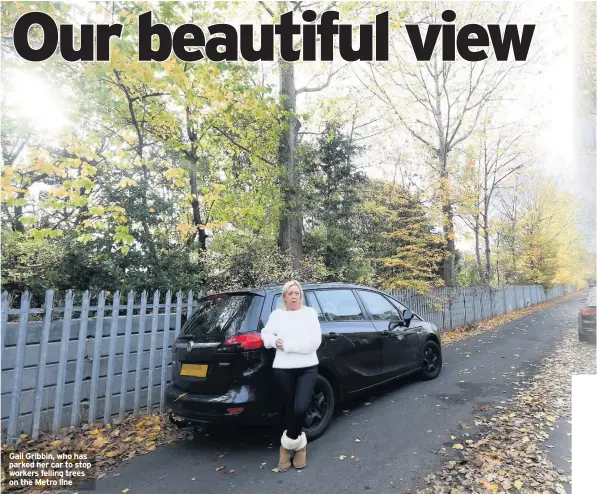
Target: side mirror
(394,322)
(408,315)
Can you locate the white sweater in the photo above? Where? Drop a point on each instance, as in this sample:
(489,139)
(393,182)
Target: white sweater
(301,333)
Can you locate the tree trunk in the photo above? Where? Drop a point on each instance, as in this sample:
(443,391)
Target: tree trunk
(487,249)
(17,225)
(195,203)
(449,274)
(478,249)
(291,219)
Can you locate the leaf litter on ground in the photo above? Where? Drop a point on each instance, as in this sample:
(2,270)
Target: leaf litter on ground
(106,445)
(511,455)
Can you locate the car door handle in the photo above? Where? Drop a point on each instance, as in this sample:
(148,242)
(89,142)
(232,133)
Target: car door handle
(331,336)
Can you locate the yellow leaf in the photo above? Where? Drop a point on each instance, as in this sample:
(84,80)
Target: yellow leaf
(124,491)
(458,446)
(518,484)
(357,440)
(452,437)
(342,457)
(116,452)
(56,443)
(275,469)
(94,432)
(550,418)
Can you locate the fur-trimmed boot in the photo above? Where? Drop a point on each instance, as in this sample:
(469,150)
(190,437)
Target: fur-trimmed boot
(287,447)
(300,455)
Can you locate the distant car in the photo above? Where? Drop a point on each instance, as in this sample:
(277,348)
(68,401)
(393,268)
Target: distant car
(222,374)
(586,316)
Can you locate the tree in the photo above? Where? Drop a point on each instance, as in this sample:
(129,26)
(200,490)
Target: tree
(440,103)
(400,238)
(499,154)
(331,184)
(291,220)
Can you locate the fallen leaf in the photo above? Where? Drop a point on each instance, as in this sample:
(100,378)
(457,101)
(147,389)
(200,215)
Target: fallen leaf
(220,468)
(357,440)
(275,469)
(430,430)
(452,437)
(94,432)
(124,491)
(116,452)
(518,484)
(506,484)
(56,443)
(342,457)
(367,403)
(232,470)
(458,446)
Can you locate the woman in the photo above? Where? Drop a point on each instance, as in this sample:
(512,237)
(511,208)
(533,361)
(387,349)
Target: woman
(295,332)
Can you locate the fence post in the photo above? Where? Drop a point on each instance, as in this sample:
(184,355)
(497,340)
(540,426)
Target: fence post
(138,364)
(4,322)
(83,320)
(464,305)
(165,350)
(111,356)
(126,353)
(178,320)
(154,334)
(450,308)
(99,331)
(59,398)
(15,397)
(189,303)
(41,367)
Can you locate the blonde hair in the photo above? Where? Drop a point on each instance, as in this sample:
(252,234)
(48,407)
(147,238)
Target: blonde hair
(285,291)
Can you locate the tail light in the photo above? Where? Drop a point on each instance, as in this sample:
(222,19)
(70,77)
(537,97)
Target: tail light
(588,312)
(242,342)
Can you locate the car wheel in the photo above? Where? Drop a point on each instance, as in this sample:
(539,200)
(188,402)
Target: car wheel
(321,409)
(432,360)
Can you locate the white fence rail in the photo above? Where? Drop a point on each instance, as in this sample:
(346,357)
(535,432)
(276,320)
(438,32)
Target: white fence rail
(106,357)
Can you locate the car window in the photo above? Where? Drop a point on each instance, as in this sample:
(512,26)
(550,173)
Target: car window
(340,305)
(379,307)
(310,301)
(223,316)
(402,308)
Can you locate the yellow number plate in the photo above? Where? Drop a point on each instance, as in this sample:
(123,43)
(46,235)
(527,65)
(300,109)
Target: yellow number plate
(194,370)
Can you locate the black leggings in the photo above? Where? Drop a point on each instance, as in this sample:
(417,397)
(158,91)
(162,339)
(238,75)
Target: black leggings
(297,390)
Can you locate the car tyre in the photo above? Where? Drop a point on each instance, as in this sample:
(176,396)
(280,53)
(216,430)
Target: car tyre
(431,360)
(322,406)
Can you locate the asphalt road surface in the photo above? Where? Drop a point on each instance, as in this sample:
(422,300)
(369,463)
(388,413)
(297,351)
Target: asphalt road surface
(395,450)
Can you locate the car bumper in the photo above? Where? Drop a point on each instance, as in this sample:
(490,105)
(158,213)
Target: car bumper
(239,406)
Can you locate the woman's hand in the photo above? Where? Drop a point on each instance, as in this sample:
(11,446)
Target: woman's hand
(280,344)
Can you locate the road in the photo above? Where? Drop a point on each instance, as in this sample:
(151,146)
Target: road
(396,449)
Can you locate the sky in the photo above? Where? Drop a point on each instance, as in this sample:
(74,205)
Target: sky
(545,97)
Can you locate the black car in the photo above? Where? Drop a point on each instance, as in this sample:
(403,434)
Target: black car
(586,316)
(222,374)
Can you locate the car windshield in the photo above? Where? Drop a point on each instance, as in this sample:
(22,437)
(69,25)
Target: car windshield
(223,316)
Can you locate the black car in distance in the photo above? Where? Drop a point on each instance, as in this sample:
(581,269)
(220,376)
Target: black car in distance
(222,374)
(586,316)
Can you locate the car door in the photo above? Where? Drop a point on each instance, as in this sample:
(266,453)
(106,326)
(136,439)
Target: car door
(399,343)
(349,338)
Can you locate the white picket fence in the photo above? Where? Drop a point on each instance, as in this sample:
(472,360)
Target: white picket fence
(99,361)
